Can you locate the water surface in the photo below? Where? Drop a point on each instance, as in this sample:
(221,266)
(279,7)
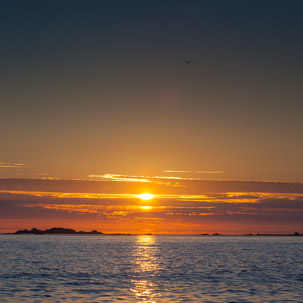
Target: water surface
(64,268)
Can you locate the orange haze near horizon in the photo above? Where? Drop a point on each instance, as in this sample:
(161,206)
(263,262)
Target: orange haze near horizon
(152,205)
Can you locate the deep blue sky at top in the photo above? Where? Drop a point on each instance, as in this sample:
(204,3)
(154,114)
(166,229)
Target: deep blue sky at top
(101,86)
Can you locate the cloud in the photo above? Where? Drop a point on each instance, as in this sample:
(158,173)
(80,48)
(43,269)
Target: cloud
(176,171)
(282,203)
(156,185)
(158,179)
(12,165)
(125,178)
(218,203)
(229,211)
(195,172)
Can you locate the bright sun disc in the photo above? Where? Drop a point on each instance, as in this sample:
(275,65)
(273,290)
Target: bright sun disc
(146,196)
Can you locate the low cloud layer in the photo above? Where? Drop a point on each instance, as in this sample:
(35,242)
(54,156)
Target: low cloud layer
(190,207)
(12,165)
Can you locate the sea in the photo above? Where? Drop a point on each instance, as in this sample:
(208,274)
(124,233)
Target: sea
(148,268)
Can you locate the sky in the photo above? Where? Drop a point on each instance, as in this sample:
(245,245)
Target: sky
(95,89)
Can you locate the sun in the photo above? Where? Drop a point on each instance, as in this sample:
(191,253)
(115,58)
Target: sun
(146,196)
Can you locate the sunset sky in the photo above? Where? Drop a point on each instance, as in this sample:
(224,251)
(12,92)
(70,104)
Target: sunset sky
(98,107)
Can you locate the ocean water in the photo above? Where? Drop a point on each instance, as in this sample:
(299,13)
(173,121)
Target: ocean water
(64,268)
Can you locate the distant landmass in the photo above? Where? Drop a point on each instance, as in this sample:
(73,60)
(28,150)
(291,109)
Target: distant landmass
(69,231)
(280,235)
(58,231)
(294,234)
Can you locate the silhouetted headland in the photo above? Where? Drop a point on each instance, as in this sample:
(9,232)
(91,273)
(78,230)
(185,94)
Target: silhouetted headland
(58,231)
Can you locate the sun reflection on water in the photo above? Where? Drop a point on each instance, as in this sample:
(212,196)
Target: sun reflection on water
(145,267)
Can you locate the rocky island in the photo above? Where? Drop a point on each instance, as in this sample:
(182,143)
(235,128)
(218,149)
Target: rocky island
(57,231)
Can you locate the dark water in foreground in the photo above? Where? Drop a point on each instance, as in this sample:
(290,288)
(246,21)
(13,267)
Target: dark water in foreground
(62,268)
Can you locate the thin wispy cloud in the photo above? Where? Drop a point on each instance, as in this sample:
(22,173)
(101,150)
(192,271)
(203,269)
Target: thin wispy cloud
(195,172)
(210,172)
(177,171)
(156,179)
(12,165)
(154,185)
(124,178)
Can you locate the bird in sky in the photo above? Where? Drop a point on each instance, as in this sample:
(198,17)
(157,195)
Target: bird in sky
(188,61)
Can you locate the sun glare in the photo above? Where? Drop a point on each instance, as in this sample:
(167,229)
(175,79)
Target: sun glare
(146,196)
(146,207)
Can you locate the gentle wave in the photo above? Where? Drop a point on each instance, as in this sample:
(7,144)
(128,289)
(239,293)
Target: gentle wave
(150,269)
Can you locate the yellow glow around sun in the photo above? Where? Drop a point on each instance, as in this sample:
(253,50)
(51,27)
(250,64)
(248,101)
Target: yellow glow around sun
(146,196)
(145,207)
